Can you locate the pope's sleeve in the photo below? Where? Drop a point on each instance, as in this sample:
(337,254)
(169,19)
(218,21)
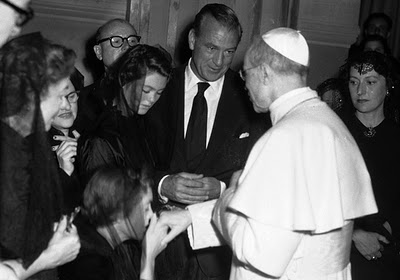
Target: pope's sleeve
(202,233)
(258,247)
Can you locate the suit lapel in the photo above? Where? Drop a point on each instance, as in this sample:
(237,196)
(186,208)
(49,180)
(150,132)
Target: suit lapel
(226,120)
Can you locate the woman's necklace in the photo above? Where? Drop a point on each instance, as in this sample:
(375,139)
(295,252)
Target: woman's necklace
(370,132)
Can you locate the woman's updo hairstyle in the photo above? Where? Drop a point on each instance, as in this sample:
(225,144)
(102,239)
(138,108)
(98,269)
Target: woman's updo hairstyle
(28,65)
(365,62)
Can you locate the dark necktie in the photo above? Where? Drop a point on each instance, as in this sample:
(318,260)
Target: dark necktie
(196,132)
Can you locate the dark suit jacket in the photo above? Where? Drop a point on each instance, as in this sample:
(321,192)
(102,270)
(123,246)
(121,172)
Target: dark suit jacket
(236,128)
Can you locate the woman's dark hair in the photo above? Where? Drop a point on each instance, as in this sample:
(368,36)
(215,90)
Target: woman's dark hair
(112,193)
(368,61)
(365,62)
(133,66)
(377,38)
(28,65)
(140,60)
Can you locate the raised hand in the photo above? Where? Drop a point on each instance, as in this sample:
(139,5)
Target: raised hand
(64,245)
(66,151)
(176,220)
(152,245)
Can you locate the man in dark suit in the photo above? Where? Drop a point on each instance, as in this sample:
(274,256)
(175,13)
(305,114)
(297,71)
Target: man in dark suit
(204,156)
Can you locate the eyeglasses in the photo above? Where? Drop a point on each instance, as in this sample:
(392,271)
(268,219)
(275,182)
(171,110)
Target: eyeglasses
(118,41)
(243,74)
(24,15)
(72,97)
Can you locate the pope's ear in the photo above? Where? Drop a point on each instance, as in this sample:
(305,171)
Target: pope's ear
(265,73)
(98,52)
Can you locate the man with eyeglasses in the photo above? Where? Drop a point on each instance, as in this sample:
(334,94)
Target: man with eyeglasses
(13,15)
(376,24)
(113,39)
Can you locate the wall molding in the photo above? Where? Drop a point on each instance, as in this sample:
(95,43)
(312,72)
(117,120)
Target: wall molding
(91,11)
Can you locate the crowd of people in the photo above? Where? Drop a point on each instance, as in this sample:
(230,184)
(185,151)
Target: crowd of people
(197,172)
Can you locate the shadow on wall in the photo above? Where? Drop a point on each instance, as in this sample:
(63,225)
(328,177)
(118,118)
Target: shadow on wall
(182,50)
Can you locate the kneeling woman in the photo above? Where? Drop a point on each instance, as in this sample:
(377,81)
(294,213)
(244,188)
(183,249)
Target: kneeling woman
(116,212)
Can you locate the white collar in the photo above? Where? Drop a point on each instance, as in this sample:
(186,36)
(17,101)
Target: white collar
(191,79)
(286,102)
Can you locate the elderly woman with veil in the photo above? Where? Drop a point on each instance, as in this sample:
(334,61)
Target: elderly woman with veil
(123,135)
(34,233)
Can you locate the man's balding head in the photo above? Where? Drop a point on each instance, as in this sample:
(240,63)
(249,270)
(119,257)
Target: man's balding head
(104,50)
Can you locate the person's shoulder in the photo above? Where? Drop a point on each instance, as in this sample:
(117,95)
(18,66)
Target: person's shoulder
(233,77)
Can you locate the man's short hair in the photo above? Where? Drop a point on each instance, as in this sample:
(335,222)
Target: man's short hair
(101,28)
(222,13)
(260,52)
(383,16)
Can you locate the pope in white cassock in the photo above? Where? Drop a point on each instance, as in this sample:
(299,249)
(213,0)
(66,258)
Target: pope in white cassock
(289,214)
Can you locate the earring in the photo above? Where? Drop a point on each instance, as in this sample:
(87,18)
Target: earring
(387,93)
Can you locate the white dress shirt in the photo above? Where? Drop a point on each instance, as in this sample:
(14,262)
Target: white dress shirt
(212,96)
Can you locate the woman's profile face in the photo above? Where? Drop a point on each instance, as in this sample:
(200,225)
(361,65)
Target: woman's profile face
(141,214)
(55,100)
(154,85)
(67,114)
(367,90)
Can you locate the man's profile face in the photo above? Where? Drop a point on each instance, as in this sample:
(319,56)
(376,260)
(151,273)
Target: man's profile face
(378,26)
(104,51)
(253,78)
(213,49)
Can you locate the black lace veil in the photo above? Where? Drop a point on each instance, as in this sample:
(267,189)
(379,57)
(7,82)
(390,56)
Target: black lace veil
(28,65)
(131,70)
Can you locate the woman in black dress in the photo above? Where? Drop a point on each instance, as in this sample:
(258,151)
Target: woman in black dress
(375,239)
(64,141)
(33,84)
(124,134)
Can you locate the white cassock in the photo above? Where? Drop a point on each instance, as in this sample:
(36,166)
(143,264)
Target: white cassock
(291,214)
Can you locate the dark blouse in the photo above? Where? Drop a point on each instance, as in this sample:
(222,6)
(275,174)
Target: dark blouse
(97,260)
(116,141)
(382,157)
(14,192)
(72,190)
(380,148)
